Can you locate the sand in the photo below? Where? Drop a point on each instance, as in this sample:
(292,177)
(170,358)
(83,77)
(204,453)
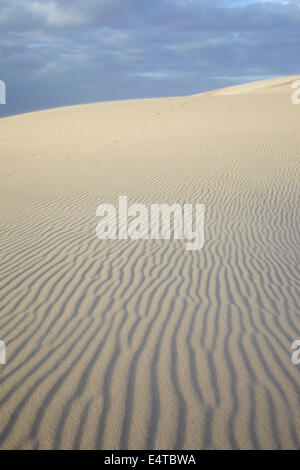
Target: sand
(142,344)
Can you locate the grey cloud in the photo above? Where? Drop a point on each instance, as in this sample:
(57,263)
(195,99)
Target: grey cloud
(56,53)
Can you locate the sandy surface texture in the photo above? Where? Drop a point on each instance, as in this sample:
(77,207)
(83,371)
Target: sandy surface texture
(142,344)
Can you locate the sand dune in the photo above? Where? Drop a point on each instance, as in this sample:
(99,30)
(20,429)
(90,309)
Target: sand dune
(275,85)
(126,344)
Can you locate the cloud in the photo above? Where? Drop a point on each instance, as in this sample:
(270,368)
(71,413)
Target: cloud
(53,14)
(55,53)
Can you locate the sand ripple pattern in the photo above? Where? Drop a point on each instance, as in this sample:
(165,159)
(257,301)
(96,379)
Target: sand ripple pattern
(124,345)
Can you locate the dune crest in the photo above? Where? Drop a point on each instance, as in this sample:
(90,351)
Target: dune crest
(274,85)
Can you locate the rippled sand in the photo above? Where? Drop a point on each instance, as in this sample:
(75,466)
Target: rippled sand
(142,344)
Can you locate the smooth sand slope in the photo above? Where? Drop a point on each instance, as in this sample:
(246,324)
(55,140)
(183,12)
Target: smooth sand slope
(141,344)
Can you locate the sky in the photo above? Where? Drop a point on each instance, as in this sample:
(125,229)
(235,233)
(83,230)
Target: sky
(66,52)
